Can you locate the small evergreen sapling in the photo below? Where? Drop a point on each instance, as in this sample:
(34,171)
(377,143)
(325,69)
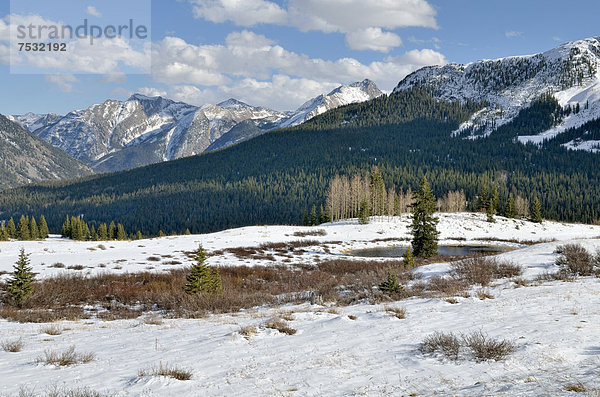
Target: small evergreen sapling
(536,211)
(390,285)
(20,285)
(409,259)
(202,279)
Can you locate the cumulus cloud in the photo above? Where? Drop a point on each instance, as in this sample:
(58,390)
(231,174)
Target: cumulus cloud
(242,13)
(359,20)
(253,68)
(93,11)
(105,56)
(373,39)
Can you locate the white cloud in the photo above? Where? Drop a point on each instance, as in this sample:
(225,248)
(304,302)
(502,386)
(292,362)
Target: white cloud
(253,68)
(105,56)
(117,77)
(240,12)
(373,39)
(350,15)
(63,81)
(151,92)
(513,33)
(93,11)
(556,38)
(359,20)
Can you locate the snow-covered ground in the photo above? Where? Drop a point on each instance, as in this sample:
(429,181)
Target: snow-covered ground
(354,350)
(170,252)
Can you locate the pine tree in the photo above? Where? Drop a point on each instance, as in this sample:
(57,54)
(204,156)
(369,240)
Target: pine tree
(187,232)
(11,229)
(161,233)
(44,232)
(112,231)
(423,228)
(536,211)
(3,233)
(20,285)
(102,232)
(322,215)
(305,220)
(409,259)
(495,198)
(390,285)
(483,201)
(363,212)
(66,228)
(34,232)
(313,216)
(509,209)
(23,232)
(93,233)
(138,235)
(491,211)
(201,278)
(121,234)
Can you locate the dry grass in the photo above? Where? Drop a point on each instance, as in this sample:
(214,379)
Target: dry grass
(248,331)
(485,348)
(52,330)
(575,260)
(12,346)
(483,295)
(398,312)
(318,232)
(447,344)
(171,371)
(480,346)
(280,325)
(483,270)
(65,358)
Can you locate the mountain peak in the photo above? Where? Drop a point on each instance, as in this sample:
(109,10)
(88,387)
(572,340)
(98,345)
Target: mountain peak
(233,103)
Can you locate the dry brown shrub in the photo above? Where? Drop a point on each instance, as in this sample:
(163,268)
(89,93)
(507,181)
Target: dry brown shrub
(575,260)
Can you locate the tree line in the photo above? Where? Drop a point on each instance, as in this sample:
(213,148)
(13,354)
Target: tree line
(27,229)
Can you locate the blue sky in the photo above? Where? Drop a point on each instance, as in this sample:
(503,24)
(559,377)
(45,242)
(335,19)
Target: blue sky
(280,53)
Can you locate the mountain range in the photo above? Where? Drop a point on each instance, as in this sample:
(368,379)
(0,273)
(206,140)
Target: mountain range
(115,135)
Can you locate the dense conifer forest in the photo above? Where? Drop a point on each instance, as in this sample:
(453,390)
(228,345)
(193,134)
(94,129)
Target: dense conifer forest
(274,178)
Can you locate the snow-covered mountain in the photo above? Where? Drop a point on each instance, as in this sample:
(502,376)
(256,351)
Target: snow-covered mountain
(570,72)
(26,158)
(117,135)
(354,93)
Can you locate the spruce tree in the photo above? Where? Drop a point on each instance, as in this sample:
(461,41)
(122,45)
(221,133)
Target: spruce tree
(509,209)
(34,231)
(66,228)
(390,285)
(536,211)
(313,216)
(23,232)
(121,234)
(305,220)
(491,211)
(102,232)
(20,285)
(44,232)
(424,223)
(112,231)
(138,235)
(11,229)
(201,278)
(3,233)
(483,201)
(187,232)
(363,212)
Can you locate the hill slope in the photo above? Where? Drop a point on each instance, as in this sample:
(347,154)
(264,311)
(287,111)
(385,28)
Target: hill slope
(24,158)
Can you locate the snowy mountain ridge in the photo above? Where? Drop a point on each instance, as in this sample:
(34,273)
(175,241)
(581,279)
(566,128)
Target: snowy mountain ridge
(570,72)
(117,135)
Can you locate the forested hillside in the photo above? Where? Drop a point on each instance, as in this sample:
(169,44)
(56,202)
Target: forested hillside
(275,177)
